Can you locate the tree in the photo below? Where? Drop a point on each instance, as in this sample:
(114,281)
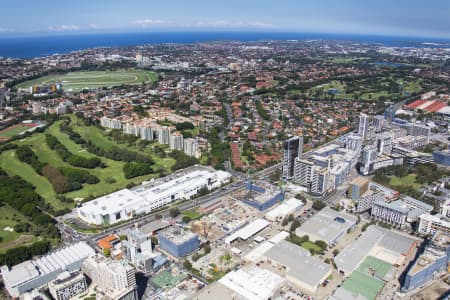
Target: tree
(295,223)
(174,212)
(301,197)
(318,205)
(154,240)
(132,170)
(184,126)
(187,265)
(107,252)
(186,219)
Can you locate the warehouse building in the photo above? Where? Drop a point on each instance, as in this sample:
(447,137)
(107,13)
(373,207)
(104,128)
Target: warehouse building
(248,231)
(302,270)
(386,245)
(125,204)
(285,208)
(35,273)
(178,241)
(328,225)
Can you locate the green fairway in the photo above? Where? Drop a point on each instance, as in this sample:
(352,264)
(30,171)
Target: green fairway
(383,87)
(99,138)
(9,217)
(13,166)
(76,81)
(111,177)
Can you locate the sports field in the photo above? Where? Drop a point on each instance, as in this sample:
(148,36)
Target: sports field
(76,81)
(9,132)
(367,279)
(374,266)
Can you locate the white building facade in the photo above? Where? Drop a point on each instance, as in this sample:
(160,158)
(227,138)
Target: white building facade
(125,204)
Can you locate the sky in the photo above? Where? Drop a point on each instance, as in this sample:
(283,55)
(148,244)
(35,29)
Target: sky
(369,17)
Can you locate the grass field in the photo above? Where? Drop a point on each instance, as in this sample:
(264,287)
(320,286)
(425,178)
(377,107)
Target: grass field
(310,245)
(13,166)
(193,214)
(9,217)
(363,89)
(99,137)
(77,81)
(409,180)
(14,130)
(111,177)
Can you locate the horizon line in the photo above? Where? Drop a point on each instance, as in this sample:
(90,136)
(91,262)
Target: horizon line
(108,32)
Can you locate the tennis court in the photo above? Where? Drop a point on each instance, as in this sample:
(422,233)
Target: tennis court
(165,279)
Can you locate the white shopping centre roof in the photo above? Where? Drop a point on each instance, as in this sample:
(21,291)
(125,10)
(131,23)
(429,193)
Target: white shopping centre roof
(111,203)
(253,284)
(248,231)
(145,195)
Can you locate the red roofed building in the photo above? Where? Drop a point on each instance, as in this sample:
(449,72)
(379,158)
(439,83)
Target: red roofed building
(435,106)
(236,155)
(108,242)
(415,104)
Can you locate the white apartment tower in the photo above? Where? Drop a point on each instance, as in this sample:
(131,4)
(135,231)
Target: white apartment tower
(191,147)
(176,141)
(164,135)
(363,125)
(110,276)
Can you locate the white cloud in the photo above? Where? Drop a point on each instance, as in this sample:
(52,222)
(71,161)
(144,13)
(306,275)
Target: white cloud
(213,23)
(93,26)
(64,27)
(149,22)
(222,24)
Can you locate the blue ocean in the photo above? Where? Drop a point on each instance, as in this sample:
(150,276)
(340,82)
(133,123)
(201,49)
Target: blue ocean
(29,47)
